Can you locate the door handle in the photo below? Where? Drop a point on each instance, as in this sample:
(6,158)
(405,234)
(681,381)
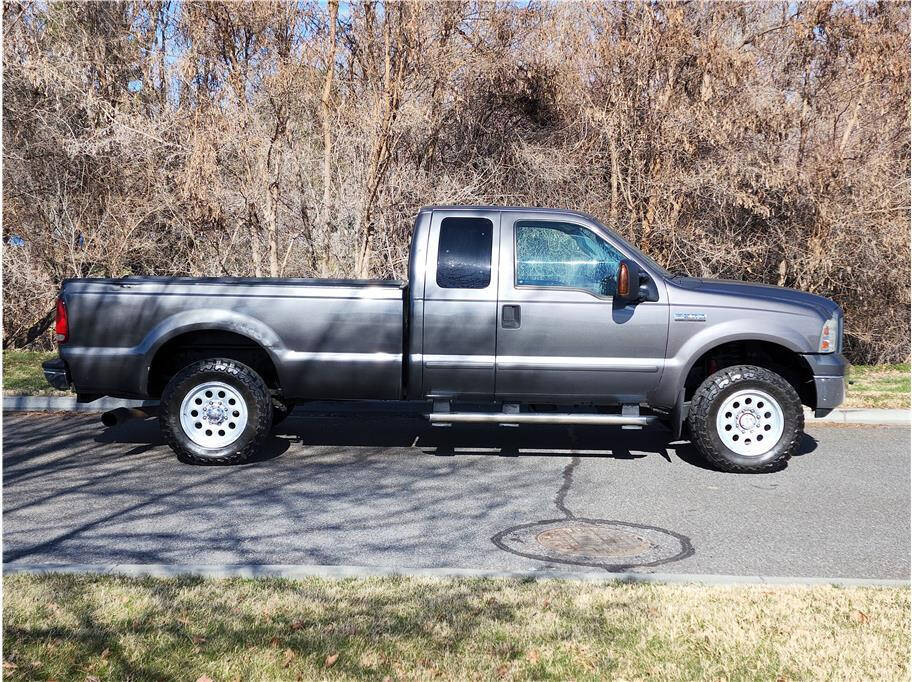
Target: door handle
(511,317)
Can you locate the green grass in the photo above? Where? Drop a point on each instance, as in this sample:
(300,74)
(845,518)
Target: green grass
(22,373)
(870,385)
(112,628)
(878,386)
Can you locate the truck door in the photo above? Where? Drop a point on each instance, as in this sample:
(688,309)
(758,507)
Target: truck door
(560,333)
(460,304)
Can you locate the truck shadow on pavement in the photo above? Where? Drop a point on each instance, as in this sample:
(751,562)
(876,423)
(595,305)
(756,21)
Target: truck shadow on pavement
(395,429)
(379,429)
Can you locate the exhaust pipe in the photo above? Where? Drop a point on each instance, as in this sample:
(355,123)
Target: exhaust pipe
(125,414)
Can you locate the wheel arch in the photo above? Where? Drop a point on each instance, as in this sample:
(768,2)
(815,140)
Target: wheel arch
(785,360)
(776,357)
(184,344)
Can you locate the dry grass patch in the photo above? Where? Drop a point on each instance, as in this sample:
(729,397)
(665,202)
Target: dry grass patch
(886,386)
(84,627)
(22,373)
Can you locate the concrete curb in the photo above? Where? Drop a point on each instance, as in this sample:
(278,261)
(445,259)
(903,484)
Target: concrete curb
(28,403)
(41,403)
(295,571)
(853,415)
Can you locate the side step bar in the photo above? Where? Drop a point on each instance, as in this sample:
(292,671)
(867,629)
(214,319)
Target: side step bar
(543,418)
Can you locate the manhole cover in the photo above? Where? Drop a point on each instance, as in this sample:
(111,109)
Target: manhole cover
(612,545)
(591,540)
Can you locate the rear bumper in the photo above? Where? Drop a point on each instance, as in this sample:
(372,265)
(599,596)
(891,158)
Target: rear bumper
(56,373)
(829,380)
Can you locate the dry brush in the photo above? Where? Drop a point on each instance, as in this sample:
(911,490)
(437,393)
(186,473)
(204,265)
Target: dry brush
(757,141)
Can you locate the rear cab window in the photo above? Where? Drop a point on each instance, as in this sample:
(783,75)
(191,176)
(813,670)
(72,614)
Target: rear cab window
(464,253)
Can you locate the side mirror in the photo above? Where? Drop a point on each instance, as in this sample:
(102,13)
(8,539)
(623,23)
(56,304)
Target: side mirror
(634,284)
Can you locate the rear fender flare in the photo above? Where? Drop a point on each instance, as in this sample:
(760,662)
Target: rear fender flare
(208,320)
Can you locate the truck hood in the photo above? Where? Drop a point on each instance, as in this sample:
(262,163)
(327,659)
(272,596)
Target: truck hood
(765,295)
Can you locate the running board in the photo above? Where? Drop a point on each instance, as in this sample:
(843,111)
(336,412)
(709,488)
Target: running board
(543,418)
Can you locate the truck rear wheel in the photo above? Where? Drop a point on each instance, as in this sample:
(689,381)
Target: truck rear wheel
(746,419)
(215,411)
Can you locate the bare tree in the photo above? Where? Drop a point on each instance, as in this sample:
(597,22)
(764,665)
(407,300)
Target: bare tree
(764,141)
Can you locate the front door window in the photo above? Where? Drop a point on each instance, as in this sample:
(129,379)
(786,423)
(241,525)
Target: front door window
(563,255)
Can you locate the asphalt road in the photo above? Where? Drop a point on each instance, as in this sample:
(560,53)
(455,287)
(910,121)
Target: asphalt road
(384,489)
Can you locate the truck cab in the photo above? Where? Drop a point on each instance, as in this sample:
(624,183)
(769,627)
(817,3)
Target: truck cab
(520,305)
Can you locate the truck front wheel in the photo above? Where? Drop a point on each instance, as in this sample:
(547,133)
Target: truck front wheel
(746,419)
(215,411)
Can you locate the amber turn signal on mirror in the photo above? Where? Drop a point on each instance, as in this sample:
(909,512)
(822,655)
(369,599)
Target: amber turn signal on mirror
(623,287)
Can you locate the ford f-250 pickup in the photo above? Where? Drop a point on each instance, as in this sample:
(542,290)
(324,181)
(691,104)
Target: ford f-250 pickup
(544,316)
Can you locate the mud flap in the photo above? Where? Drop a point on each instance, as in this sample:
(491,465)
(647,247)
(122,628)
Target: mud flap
(679,415)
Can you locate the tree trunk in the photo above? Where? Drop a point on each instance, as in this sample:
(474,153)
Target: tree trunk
(327,129)
(253,224)
(615,169)
(272,227)
(383,144)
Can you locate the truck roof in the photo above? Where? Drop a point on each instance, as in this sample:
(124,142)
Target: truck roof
(524,209)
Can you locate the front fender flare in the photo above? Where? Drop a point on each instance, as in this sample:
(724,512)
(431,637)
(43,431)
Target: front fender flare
(678,366)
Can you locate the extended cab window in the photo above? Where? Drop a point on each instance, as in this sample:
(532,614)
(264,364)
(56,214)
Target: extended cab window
(464,253)
(555,254)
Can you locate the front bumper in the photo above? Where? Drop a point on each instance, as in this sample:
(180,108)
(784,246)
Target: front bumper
(55,371)
(830,394)
(829,380)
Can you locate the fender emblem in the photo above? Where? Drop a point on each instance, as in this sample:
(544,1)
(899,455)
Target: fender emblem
(690,317)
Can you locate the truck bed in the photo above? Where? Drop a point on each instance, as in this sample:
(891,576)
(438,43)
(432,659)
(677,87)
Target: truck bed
(327,338)
(297,281)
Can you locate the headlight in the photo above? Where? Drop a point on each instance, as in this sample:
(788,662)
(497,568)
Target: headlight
(829,336)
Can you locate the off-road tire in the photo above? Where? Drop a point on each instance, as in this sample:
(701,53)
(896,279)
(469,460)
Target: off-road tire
(236,374)
(710,396)
(280,410)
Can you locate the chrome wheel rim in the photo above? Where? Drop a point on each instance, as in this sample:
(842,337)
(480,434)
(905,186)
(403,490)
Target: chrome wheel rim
(213,414)
(750,422)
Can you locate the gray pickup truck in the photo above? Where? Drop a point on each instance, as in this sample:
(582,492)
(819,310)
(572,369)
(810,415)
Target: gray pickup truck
(532,316)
